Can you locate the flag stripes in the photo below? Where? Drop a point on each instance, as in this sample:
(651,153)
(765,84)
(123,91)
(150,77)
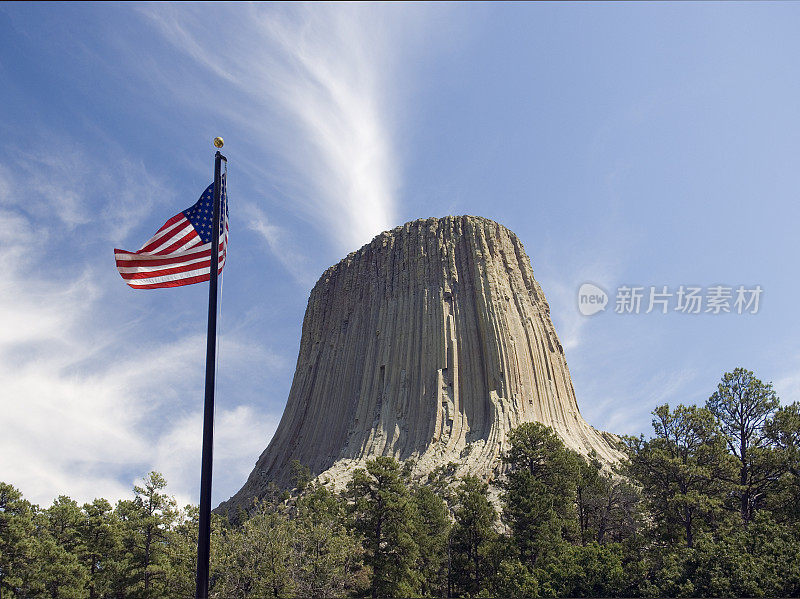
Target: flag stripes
(180,251)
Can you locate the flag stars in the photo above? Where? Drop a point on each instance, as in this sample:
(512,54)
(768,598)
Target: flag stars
(201,214)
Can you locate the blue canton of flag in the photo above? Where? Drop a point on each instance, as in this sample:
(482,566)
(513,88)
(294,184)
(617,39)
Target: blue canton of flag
(201,214)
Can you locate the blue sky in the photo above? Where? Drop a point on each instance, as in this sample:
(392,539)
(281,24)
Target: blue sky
(625,144)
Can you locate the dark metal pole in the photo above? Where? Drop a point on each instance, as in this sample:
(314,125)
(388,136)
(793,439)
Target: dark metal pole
(204,530)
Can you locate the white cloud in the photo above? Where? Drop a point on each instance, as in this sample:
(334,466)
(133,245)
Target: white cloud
(55,420)
(87,408)
(788,387)
(561,290)
(240,435)
(58,181)
(668,387)
(625,408)
(283,247)
(315,87)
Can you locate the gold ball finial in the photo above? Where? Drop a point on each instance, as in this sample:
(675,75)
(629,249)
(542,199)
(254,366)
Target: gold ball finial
(218,142)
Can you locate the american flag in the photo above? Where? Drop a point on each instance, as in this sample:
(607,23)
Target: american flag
(180,251)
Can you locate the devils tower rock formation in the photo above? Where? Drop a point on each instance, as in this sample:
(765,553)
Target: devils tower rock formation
(429,343)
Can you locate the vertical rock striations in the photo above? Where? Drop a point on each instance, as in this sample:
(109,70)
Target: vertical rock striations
(429,343)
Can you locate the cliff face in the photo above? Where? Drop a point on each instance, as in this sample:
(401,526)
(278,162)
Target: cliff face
(431,343)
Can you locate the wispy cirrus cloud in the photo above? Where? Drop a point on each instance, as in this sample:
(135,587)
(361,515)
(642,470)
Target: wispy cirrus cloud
(282,245)
(616,403)
(88,405)
(55,183)
(315,89)
(561,288)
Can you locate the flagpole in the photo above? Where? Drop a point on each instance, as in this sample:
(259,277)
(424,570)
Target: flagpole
(204,529)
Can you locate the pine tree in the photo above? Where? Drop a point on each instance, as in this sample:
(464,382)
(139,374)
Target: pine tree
(59,548)
(681,471)
(147,520)
(258,559)
(473,538)
(432,529)
(329,555)
(539,491)
(744,407)
(17,545)
(784,434)
(64,519)
(381,511)
(607,504)
(181,554)
(58,572)
(100,541)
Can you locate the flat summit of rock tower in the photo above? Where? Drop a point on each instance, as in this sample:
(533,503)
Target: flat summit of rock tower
(429,343)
